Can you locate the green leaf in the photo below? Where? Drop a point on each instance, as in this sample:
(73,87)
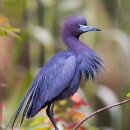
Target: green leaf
(128,95)
(7,29)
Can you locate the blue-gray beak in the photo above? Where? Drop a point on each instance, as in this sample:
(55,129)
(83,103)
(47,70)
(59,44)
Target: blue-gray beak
(88,28)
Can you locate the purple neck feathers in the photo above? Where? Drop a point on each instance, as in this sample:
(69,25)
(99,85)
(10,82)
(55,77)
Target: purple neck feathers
(73,42)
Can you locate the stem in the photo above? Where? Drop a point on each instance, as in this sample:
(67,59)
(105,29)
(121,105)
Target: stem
(100,110)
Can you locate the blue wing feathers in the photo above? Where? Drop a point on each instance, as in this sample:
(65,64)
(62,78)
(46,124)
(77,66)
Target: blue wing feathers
(60,68)
(47,82)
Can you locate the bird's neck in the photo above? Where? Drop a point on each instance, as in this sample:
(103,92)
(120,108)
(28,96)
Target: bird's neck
(74,43)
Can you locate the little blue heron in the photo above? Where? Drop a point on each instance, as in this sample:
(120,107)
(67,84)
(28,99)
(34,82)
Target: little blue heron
(60,77)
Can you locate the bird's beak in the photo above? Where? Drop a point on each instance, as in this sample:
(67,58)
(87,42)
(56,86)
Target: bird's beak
(88,28)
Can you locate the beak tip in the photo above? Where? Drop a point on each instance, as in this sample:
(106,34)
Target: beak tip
(98,30)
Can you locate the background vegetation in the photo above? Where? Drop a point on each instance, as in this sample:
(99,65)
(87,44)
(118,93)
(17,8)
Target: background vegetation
(30,35)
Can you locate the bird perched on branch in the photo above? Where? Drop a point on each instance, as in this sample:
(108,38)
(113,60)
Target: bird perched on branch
(60,77)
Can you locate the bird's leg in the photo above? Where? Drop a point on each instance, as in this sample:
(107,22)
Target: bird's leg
(50,114)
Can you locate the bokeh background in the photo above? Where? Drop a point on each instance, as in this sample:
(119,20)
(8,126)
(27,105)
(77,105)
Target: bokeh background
(30,35)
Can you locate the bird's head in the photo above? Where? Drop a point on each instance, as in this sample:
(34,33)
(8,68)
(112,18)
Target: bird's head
(77,25)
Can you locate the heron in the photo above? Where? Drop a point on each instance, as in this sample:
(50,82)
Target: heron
(60,77)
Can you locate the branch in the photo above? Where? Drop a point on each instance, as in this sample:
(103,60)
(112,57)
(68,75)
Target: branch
(100,110)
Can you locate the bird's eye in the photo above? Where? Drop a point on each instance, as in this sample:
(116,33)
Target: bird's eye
(78,26)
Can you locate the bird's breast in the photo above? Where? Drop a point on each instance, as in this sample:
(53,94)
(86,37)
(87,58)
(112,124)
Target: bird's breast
(89,63)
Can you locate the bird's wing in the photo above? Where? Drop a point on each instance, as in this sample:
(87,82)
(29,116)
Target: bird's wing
(52,79)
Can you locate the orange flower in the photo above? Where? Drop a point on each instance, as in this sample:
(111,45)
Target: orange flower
(3,20)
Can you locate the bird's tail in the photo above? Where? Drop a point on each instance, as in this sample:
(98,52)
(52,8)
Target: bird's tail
(28,98)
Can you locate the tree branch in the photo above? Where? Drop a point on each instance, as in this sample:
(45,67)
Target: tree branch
(100,110)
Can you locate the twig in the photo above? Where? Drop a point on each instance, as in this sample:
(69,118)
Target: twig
(100,110)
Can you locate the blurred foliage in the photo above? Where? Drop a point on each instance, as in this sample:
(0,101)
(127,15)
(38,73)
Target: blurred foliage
(6,28)
(37,25)
(128,95)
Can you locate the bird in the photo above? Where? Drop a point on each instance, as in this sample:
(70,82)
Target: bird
(60,77)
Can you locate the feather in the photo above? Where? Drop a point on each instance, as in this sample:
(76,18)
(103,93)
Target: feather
(92,66)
